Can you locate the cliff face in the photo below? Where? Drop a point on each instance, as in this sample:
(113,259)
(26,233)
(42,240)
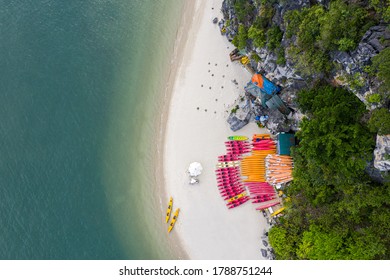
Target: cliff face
(349,65)
(352,64)
(349,68)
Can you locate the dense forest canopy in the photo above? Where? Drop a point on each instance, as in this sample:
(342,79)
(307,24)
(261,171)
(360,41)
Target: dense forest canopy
(335,209)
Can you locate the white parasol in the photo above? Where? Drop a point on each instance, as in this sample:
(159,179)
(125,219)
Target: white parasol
(195,169)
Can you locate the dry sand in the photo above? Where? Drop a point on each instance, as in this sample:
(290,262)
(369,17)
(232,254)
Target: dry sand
(196,129)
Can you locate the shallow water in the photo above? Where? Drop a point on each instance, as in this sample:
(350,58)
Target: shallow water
(81,85)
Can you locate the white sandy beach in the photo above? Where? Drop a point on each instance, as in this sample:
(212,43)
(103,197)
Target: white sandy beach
(206,228)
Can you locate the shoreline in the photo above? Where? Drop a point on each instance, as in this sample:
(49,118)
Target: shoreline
(194,128)
(175,61)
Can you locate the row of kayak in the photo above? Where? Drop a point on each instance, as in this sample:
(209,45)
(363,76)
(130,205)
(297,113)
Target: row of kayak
(175,215)
(227,172)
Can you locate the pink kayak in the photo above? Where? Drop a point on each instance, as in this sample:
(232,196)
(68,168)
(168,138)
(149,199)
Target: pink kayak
(233,205)
(262,207)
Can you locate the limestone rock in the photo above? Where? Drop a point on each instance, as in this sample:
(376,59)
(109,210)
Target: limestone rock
(241,113)
(382,153)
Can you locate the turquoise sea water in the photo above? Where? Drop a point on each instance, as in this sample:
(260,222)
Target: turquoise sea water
(81,85)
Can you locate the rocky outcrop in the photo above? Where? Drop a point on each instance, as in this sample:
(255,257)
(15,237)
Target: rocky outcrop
(382,153)
(374,40)
(241,114)
(352,74)
(284,6)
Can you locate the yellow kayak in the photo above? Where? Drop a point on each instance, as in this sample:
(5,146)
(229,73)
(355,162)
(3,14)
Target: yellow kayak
(169,209)
(237,197)
(172,224)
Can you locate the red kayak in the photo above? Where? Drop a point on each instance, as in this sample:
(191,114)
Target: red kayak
(233,185)
(231,194)
(261,200)
(263,196)
(227,180)
(261,188)
(228,177)
(261,193)
(258,183)
(262,207)
(229,158)
(230,183)
(231,191)
(246,198)
(231,151)
(237,202)
(227,172)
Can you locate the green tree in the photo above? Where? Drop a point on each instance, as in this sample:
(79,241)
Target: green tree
(274,37)
(257,36)
(319,31)
(332,136)
(341,27)
(381,64)
(380,121)
(240,40)
(335,210)
(382,7)
(319,245)
(281,243)
(244,9)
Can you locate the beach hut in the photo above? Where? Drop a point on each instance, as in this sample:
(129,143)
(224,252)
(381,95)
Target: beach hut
(276,103)
(261,88)
(284,143)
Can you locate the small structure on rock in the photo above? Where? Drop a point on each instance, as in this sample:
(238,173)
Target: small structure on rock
(264,90)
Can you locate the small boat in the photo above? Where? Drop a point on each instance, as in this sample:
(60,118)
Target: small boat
(174,219)
(169,209)
(231,199)
(238,138)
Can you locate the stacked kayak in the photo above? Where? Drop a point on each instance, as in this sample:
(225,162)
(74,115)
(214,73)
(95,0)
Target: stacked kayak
(253,166)
(279,169)
(227,172)
(230,187)
(261,192)
(237,147)
(249,170)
